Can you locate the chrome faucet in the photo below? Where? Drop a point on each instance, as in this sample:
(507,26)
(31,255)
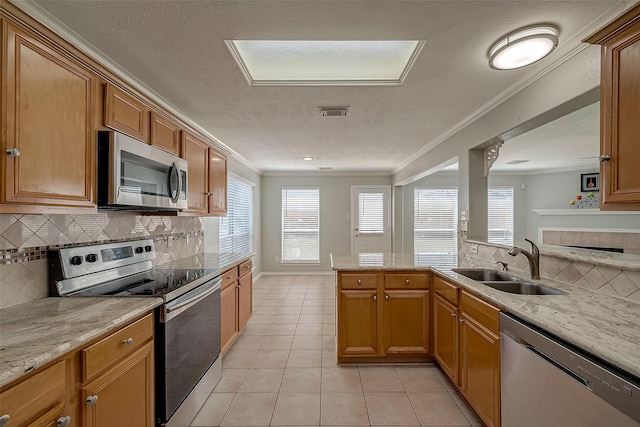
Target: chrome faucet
(533,257)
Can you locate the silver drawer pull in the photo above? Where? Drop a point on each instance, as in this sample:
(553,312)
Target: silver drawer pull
(63,421)
(406,281)
(359,282)
(4,420)
(128,341)
(375,298)
(461,321)
(453,315)
(92,400)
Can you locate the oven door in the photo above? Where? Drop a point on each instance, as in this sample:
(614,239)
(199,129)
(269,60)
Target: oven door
(187,344)
(134,174)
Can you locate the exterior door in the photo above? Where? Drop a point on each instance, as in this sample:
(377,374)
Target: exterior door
(370,219)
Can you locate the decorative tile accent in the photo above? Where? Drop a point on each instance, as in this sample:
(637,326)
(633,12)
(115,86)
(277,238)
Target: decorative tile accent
(25,239)
(598,278)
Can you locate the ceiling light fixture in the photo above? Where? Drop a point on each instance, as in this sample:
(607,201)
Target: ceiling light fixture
(523,47)
(307,158)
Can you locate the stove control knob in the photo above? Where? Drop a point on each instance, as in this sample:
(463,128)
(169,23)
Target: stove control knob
(148,248)
(91,257)
(76,260)
(139,250)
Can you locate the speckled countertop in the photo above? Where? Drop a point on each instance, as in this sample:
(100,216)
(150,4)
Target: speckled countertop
(605,326)
(35,333)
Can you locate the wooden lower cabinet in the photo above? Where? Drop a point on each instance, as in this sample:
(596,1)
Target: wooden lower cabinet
(357,323)
(228,316)
(236,299)
(245,307)
(383,315)
(406,321)
(122,396)
(445,336)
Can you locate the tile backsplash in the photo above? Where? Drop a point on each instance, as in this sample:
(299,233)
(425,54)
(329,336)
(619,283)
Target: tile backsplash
(620,282)
(24,240)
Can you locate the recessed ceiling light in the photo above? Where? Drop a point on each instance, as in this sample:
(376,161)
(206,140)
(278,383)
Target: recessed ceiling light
(523,47)
(307,158)
(324,62)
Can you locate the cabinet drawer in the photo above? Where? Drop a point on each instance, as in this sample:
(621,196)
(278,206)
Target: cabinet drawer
(245,268)
(229,277)
(446,290)
(358,280)
(406,281)
(35,395)
(484,313)
(101,355)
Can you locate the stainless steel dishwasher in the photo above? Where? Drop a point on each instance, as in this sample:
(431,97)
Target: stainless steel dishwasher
(546,382)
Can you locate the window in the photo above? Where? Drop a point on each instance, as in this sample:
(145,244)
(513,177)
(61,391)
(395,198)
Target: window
(435,226)
(500,215)
(300,225)
(371,212)
(236,229)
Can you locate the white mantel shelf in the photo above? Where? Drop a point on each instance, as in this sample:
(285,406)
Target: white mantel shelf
(582,212)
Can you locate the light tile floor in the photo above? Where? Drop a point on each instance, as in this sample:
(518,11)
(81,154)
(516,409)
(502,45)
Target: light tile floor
(282,371)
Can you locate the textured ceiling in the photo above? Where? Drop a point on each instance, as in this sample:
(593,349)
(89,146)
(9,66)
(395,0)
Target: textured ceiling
(177,49)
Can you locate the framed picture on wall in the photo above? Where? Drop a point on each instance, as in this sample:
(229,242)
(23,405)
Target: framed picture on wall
(589,182)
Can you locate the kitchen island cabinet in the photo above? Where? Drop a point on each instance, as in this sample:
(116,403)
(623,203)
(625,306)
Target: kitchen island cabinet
(619,111)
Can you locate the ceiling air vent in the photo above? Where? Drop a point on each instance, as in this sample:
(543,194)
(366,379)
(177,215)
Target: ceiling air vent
(334,111)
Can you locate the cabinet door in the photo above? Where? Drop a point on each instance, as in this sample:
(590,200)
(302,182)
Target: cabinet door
(124,393)
(196,153)
(49,122)
(445,336)
(406,322)
(244,300)
(217,183)
(357,323)
(51,417)
(125,113)
(228,316)
(480,369)
(620,112)
(165,134)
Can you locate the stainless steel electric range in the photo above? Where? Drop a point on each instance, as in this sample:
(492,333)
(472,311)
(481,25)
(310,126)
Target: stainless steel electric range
(187,324)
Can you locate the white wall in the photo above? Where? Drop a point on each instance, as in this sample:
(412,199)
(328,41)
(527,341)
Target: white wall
(335,228)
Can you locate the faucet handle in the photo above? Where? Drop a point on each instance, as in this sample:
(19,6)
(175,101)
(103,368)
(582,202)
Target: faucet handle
(503,265)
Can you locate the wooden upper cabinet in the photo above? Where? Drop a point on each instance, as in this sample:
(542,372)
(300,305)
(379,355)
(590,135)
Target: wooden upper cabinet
(165,134)
(196,153)
(619,111)
(48,124)
(125,113)
(217,183)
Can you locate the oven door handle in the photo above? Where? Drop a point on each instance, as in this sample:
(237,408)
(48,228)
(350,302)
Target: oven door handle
(188,300)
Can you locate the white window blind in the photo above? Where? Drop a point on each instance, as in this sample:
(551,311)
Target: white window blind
(435,226)
(500,215)
(300,225)
(236,229)
(371,212)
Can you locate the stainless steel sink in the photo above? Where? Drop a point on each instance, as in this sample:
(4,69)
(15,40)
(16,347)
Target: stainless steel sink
(506,282)
(486,275)
(524,288)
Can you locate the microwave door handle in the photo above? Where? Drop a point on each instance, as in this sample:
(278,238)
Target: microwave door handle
(174,169)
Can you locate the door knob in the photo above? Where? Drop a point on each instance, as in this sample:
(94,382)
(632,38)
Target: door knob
(92,400)
(375,298)
(604,158)
(386,297)
(63,421)
(453,315)
(4,420)
(13,152)
(128,341)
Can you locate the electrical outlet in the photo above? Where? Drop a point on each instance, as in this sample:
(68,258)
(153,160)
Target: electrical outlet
(474,249)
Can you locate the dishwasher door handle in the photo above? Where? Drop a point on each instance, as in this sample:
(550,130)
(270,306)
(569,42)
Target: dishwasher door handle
(558,365)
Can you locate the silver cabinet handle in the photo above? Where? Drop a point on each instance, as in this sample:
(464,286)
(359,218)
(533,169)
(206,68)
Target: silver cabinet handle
(386,297)
(604,158)
(228,277)
(453,315)
(12,152)
(63,421)
(461,321)
(208,194)
(375,298)
(92,400)
(128,341)
(406,281)
(4,420)
(359,282)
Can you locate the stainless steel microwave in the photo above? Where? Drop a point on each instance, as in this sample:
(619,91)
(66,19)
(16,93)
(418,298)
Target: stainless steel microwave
(137,176)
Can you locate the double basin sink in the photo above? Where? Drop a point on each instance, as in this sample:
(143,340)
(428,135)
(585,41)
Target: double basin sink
(505,282)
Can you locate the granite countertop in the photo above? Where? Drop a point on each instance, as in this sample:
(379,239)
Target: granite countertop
(602,325)
(215,262)
(34,333)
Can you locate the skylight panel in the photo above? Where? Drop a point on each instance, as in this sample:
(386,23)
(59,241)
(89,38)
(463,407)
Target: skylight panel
(324,62)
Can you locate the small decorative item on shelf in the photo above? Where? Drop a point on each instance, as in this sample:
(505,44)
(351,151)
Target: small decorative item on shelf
(590,201)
